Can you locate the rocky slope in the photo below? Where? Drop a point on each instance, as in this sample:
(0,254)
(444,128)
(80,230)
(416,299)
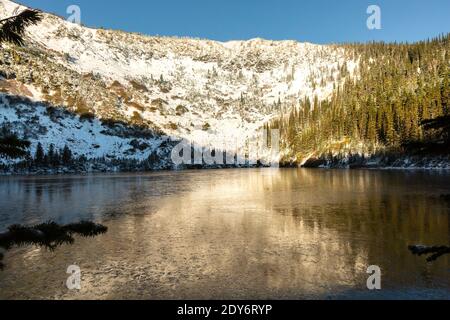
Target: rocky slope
(195,89)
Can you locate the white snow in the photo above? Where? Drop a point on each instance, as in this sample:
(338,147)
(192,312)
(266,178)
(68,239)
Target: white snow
(208,78)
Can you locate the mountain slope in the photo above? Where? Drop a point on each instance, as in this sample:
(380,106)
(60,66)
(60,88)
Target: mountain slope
(400,87)
(200,90)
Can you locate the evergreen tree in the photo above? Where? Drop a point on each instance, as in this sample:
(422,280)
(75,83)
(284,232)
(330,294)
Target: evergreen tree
(398,87)
(39,155)
(11,146)
(12,29)
(52,155)
(445,92)
(66,155)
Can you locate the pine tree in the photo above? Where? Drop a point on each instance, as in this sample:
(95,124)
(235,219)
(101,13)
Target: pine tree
(398,87)
(56,161)
(12,29)
(445,92)
(39,155)
(66,155)
(51,155)
(11,146)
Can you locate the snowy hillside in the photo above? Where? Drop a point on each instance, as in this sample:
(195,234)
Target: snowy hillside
(200,90)
(89,137)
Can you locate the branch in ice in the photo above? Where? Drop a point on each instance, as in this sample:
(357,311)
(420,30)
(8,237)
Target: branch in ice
(49,235)
(435,252)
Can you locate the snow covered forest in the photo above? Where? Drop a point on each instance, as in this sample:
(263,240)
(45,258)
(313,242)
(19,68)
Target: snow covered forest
(76,99)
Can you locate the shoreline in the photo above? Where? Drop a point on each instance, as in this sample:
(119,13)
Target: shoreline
(60,173)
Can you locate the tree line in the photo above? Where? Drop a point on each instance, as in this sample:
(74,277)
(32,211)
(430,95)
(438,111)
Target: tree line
(397,89)
(52,157)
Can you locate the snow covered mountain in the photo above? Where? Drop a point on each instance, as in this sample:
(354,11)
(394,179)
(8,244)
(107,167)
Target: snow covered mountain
(194,89)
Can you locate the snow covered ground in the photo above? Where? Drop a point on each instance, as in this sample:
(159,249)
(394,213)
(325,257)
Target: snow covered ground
(89,137)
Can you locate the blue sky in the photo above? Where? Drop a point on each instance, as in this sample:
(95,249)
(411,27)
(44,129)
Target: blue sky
(318,21)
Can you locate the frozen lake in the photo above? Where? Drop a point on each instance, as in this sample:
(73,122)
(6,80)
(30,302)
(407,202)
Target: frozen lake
(235,234)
